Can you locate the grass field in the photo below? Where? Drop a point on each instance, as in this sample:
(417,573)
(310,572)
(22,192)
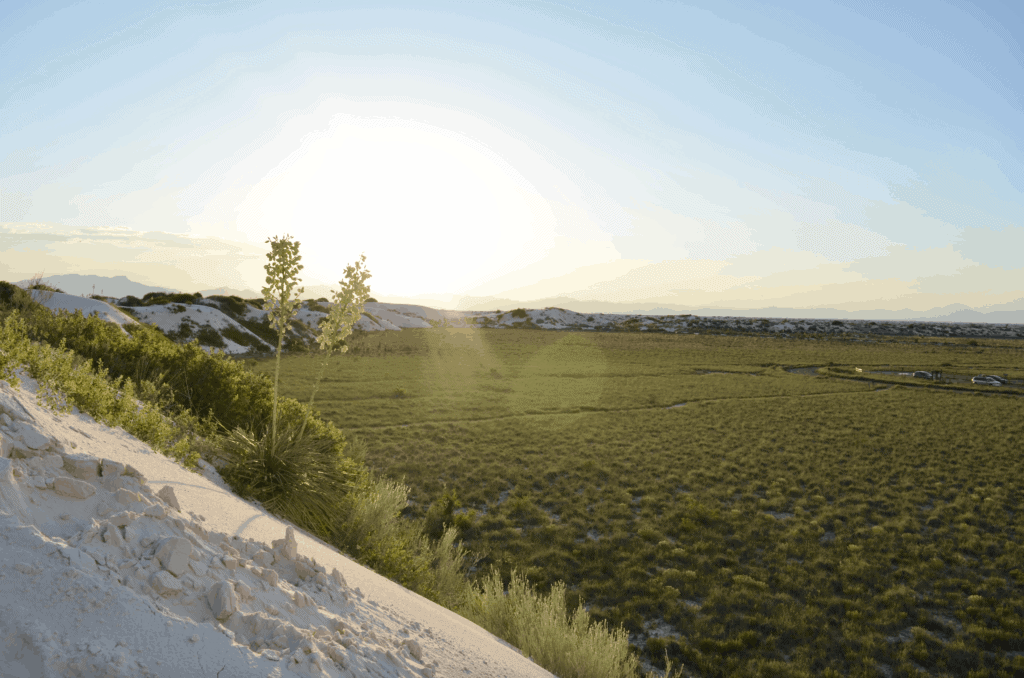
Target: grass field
(774,524)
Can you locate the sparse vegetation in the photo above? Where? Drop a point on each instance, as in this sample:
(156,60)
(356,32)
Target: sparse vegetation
(777,525)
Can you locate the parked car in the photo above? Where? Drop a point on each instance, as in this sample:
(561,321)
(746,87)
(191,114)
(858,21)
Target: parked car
(985,381)
(997,378)
(923,375)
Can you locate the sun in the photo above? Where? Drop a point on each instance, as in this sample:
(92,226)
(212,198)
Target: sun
(439,203)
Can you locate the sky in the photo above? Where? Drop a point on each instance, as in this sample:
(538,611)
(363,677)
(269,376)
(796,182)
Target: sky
(850,156)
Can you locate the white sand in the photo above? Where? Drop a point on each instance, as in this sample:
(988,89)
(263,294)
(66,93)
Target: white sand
(118,583)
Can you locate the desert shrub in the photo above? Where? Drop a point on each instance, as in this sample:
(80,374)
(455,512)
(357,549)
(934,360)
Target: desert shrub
(542,629)
(66,379)
(233,306)
(441,514)
(262,330)
(371,300)
(157,298)
(519,313)
(314,306)
(183,333)
(524,512)
(45,287)
(208,336)
(131,301)
(205,384)
(13,297)
(242,338)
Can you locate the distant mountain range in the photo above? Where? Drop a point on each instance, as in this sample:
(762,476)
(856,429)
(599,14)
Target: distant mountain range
(1012,312)
(120,286)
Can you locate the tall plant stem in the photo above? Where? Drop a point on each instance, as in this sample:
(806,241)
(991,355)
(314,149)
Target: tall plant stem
(316,384)
(277,376)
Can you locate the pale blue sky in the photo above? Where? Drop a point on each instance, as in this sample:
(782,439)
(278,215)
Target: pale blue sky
(737,155)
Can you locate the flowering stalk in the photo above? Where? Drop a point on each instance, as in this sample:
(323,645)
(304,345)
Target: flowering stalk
(346,311)
(282,271)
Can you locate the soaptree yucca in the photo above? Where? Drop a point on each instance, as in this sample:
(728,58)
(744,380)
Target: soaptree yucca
(289,474)
(346,311)
(282,276)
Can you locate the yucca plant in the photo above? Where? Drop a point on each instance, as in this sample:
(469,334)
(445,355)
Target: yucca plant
(282,271)
(347,309)
(298,478)
(293,477)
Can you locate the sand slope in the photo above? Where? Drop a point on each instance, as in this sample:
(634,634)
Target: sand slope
(104,571)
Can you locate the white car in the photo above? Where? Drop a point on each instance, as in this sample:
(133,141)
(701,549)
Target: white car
(997,378)
(923,375)
(985,381)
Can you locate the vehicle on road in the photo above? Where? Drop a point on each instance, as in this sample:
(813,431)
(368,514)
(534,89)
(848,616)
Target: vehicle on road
(985,381)
(923,375)
(997,378)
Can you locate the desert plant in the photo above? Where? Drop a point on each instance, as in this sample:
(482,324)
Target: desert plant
(13,297)
(540,626)
(282,270)
(441,514)
(293,477)
(233,306)
(208,336)
(45,291)
(347,309)
(241,338)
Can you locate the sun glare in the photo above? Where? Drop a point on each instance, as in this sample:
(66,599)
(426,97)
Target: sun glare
(437,202)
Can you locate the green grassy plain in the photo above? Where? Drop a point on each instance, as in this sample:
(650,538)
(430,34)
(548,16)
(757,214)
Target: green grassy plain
(776,524)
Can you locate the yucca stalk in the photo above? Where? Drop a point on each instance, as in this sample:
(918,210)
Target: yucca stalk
(337,326)
(282,276)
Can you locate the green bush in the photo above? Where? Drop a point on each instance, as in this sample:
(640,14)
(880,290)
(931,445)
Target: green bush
(232,306)
(316,307)
(159,298)
(242,338)
(369,527)
(45,287)
(208,336)
(541,628)
(13,297)
(66,380)
(441,514)
(204,384)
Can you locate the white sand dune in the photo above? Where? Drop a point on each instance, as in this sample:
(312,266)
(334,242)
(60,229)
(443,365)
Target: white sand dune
(380,316)
(116,561)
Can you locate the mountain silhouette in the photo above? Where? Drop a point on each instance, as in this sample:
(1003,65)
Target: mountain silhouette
(120,286)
